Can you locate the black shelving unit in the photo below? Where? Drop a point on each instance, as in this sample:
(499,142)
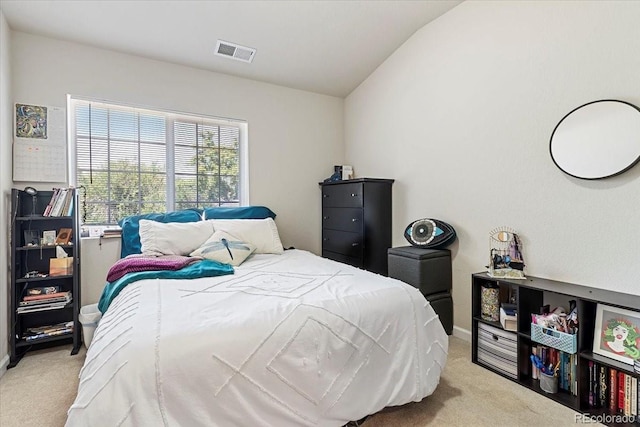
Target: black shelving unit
(32,256)
(531,294)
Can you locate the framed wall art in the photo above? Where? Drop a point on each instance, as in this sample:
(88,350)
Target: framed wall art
(617,334)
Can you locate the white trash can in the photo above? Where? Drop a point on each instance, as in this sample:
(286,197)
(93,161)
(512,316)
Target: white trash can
(89,317)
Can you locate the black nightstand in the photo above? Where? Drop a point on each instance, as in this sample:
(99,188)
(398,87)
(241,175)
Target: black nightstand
(429,270)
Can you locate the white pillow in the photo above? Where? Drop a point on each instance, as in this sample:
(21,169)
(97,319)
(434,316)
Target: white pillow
(262,233)
(173,238)
(230,251)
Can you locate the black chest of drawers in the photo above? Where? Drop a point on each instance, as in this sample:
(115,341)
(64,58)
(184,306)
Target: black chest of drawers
(356,222)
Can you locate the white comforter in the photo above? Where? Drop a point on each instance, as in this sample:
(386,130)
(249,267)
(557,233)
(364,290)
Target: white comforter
(291,339)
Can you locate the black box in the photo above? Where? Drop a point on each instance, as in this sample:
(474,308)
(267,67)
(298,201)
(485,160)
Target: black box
(427,269)
(443,306)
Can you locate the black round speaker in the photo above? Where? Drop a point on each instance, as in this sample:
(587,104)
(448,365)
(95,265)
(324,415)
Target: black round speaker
(430,233)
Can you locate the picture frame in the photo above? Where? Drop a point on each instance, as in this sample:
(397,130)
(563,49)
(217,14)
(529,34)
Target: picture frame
(31,238)
(617,334)
(48,237)
(64,236)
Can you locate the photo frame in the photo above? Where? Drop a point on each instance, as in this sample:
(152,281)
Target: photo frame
(64,236)
(48,237)
(617,334)
(31,238)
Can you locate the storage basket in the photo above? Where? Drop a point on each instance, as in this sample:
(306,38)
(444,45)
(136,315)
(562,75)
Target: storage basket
(556,339)
(548,383)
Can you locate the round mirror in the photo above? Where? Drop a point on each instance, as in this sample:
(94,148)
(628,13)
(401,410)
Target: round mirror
(597,140)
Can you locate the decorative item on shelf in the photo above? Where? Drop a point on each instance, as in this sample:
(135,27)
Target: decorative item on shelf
(337,174)
(347,172)
(62,265)
(505,254)
(430,233)
(48,237)
(34,199)
(64,236)
(490,301)
(617,334)
(31,238)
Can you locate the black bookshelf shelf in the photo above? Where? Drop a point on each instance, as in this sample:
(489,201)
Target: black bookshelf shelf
(41,247)
(62,337)
(507,352)
(28,225)
(43,279)
(42,218)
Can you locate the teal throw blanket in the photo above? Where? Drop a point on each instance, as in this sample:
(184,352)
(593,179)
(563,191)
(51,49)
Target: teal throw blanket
(204,268)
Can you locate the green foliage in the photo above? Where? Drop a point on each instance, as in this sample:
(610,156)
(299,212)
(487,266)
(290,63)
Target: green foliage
(133,192)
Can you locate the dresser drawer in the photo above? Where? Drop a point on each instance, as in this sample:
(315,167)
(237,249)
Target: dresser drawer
(498,349)
(356,262)
(342,242)
(342,196)
(346,219)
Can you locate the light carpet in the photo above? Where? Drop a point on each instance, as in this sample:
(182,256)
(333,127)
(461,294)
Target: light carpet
(41,388)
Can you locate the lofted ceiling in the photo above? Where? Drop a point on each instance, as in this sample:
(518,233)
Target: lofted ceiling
(321,46)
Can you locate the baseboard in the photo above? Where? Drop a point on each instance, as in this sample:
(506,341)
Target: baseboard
(463,334)
(3,365)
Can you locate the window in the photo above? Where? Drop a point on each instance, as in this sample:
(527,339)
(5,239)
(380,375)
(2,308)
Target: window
(132,160)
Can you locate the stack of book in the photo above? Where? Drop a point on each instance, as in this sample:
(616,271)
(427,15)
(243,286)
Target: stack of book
(111,232)
(43,301)
(615,389)
(36,333)
(61,203)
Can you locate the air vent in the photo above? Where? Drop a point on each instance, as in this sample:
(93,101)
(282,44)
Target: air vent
(235,51)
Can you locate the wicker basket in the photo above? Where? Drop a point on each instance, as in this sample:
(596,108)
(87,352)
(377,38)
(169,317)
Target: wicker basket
(556,339)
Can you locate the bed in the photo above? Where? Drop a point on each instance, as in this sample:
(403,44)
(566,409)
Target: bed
(288,339)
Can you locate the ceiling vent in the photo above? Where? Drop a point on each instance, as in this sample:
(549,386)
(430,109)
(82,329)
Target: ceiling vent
(235,51)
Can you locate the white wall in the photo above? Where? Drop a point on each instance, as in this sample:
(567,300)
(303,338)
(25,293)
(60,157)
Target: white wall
(6,118)
(461,117)
(295,137)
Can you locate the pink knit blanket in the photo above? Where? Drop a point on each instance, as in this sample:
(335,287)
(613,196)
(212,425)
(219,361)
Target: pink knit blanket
(135,263)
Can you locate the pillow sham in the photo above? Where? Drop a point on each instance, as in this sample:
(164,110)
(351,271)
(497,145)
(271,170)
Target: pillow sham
(224,248)
(240,212)
(131,227)
(173,238)
(262,233)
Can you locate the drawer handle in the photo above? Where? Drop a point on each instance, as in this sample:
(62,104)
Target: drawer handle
(325,195)
(354,219)
(353,194)
(325,217)
(355,244)
(495,337)
(326,239)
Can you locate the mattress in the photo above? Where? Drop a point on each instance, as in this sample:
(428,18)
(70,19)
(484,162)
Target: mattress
(287,340)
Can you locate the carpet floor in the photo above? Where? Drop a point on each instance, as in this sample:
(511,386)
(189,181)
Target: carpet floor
(41,388)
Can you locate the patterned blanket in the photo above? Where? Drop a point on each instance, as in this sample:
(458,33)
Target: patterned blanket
(134,263)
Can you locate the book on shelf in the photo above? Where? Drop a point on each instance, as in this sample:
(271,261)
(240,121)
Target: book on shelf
(42,307)
(111,233)
(565,368)
(46,331)
(46,297)
(613,390)
(61,203)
